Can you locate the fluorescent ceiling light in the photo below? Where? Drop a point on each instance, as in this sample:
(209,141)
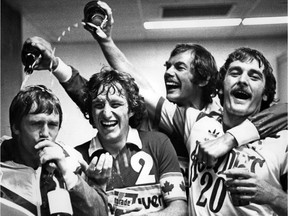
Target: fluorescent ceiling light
(192,23)
(265,20)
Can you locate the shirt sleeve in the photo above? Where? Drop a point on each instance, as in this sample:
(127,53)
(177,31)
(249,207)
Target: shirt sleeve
(244,133)
(87,200)
(75,88)
(171,118)
(264,124)
(271,120)
(171,179)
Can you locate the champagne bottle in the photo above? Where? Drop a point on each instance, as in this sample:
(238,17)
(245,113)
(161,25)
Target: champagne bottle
(59,199)
(94,14)
(30,57)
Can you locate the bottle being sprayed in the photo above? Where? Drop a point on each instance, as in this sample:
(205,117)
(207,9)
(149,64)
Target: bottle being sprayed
(95,18)
(31,56)
(94,14)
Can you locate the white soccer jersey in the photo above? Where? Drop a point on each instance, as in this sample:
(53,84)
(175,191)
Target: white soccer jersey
(207,190)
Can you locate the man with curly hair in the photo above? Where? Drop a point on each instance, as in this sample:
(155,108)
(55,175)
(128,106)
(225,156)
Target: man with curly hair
(121,157)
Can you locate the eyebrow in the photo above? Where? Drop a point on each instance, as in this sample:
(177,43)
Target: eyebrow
(180,62)
(234,68)
(101,100)
(177,62)
(97,99)
(41,120)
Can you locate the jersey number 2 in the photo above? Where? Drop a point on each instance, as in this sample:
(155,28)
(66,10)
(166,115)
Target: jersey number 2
(143,168)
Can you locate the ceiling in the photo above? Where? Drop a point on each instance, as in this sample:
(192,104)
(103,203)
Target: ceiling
(61,19)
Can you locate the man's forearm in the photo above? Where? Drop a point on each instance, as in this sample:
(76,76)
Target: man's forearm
(87,200)
(115,57)
(264,124)
(118,61)
(270,121)
(176,208)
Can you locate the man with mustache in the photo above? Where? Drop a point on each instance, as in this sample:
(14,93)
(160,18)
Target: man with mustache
(250,179)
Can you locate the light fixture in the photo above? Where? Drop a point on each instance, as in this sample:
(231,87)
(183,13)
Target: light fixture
(192,23)
(265,20)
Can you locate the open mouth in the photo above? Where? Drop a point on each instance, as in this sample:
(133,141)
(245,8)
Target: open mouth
(241,94)
(171,85)
(108,124)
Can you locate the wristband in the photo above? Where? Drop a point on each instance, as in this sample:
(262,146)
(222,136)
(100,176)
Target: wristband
(244,133)
(63,72)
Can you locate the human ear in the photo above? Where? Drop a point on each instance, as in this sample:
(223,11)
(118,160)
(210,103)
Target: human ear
(203,83)
(220,91)
(130,114)
(15,130)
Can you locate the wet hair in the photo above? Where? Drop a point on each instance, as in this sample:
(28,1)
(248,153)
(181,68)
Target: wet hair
(108,77)
(33,100)
(205,68)
(245,54)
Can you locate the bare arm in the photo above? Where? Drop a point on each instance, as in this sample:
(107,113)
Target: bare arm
(175,208)
(178,208)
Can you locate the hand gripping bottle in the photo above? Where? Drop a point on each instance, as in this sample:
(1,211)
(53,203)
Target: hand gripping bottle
(31,56)
(94,14)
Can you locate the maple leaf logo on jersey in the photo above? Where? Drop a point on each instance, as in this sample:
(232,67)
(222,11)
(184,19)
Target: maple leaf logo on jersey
(213,133)
(167,187)
(182,186)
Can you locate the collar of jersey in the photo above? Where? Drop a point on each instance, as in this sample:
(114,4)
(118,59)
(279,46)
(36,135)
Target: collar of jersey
(133,138)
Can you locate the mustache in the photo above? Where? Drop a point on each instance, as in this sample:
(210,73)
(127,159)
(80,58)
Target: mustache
(241,91)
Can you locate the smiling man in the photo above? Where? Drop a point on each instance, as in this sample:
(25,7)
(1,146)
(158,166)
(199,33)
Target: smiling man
(143,163)
(236,94)
(255,172)
(190,76)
